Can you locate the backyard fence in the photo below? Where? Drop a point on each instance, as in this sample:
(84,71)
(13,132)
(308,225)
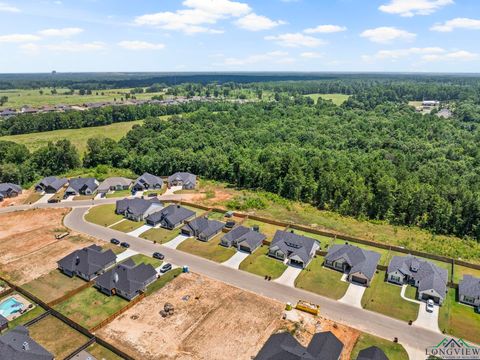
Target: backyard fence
(70,294)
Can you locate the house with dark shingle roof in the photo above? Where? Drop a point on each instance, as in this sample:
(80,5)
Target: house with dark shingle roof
(84,355)
(81,186)
(372,353)
(114,184)
(170,217)
(87,263)
(469,291)
(283,346)
(3,323)
(183,179)
(18,345)
(243,238)
(126,279)
(147,182)
(202,228)
(299,250)
(9,190)
(430,279)
(137,209)
(50,184)
(359,264)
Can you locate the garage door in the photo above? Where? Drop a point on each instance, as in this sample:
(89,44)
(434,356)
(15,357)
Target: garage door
(186,232)
(428,297)
(359,280)
(245,248)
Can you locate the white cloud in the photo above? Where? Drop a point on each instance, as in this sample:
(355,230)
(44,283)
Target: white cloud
(402,53)
(76,47)
(273,56)
(254,22)
(457,23)
(65,32)
(311,55)
(386,34)
(18,38)
(459,55)
(30,47)
(410,8)
(4,7)
(296,40)
(140,45)
(197,14)
(325,29)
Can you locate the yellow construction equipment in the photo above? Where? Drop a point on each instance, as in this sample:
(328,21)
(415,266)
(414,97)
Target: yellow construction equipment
(308,307)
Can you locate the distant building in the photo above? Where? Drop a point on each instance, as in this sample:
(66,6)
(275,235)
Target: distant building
(50,184)
(444,113)
(137,209)
(9,190)
(114,184)
(148,182)
(184,179)
(81,186)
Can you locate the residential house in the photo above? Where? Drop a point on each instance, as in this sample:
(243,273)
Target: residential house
(359,264)
(323,346)
(298,250)
(202,228)
(126,279)
(114,184)
(170,217)
(81,186)
(9,190)
(243,238)
(430,279)
(469,291)
(444,113)
(148,182)
(7,113)
(372,353)
(3,323)
(50,184)
(183,179)
(137,209)
(87,263)
(18,345)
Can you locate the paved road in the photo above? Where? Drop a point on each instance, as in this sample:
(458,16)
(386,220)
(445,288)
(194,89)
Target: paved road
(414,338)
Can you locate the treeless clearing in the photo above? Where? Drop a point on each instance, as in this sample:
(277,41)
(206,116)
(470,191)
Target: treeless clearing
(218,321)
(19,200)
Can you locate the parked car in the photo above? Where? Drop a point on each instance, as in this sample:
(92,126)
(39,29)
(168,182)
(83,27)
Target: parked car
(230,224)
(165,268)
(152,195)
(229,214)
(430,305)
(54,200)
(125,244)
(115,241)
(158,256)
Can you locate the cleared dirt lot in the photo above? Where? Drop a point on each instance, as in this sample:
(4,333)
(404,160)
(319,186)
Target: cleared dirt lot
(216,322)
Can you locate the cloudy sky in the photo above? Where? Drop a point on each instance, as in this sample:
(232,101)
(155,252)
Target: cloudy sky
(239,35)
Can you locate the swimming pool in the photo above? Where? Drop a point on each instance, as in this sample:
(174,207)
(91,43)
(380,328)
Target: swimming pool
(9,307)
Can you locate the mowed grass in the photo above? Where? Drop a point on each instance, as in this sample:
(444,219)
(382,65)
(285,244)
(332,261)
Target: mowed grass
(268,230)
(90,307)
(119,193)
(99,352)
(458,319)
(57,337)
(103,215)
(460,271)
(394,351)
(259,263)
(321,280)
(337,99)
(33,198)
(127,225)
(160,236)
(53,285)
(211,250)
(78,137)
(144,259)
(163,280)
(384,298)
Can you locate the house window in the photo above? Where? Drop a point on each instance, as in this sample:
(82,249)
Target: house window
(468,299)
(395,278)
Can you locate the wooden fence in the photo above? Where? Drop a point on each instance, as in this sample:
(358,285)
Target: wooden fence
(70,294)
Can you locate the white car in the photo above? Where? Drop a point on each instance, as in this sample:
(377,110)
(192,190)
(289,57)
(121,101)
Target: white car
(430,305)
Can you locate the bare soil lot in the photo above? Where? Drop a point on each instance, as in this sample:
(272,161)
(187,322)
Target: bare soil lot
(19,200)
(218,321)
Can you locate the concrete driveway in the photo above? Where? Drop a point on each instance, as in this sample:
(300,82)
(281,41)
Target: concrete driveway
(171,191)
(288,277)
(172,244)
(235,261)
(427,320)
(44,199)
(140,230)
(125,255)
(354,295)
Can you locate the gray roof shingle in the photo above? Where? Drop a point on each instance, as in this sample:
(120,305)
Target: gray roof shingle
(372,353)
(6,188)
(359,260)
(289,242)
(113,182)
(149,181)
(172,214)
(242,234)
(89,260)
(52,182)
(79,184)
(135,206)
(202,226)
(469,286)
(185,177)
(18,345)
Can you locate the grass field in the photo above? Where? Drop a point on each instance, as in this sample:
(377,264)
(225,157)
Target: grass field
(458,319)
(127,225)
(337,99)
(268,230)
(459,271)
(103,215)
(144,259)
(56,336)
(99,352)
(32,198)
(260,264)
(210,250)
(163,280)
(322,281)
(385,298)
(160,235)
(90,307)
(119,193)
(394,351)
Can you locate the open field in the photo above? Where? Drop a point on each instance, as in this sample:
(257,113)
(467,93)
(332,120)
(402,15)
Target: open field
(160,235)
(322,281)
(385,298)
(103,215)
(127,225)
(211,250)
(337,99)
(57,337)
(458,319)
(259,263)
(197,329)
(394,351)
(99,352)
(25,197)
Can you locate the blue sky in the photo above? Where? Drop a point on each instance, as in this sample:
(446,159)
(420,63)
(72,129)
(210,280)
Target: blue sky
(239,35)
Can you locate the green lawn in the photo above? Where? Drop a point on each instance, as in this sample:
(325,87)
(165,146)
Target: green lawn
(214,215)
(259,263)
(163,280)
(458,319)
(99,352)
(103,215)
(411,292)
(33,198)
(268,230)
(459,271)
(323,240)
(394,351)
(160,235)
(119,193)
(211,250)
(127,225)
(84,197)
(321,280)
(53,285)
(140,258)
(385,298)
(337,99)
(32,314)
(90,307)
